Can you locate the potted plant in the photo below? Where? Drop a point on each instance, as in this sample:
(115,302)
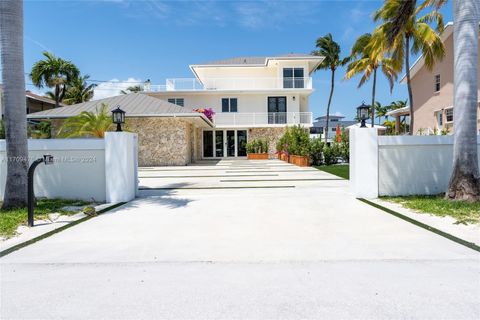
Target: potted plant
(257,149)
(297,145)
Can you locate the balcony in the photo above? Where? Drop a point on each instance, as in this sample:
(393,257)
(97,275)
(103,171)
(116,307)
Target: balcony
(213,84)
(240,119)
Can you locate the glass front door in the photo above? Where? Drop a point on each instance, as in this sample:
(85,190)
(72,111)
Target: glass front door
(224,143)
(230,143)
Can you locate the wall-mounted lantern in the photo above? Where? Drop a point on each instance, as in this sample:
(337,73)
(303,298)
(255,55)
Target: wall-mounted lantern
(363,114)
(118,117)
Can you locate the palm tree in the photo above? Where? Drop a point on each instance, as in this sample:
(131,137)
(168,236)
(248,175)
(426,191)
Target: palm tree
(54,73)
(381,111)
(132,89)
(405,32)
(368,54)
(11,46)
(87,124)
(79,91)
(465,180)
(329,49)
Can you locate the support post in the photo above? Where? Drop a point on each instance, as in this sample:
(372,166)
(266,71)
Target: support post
(31,194)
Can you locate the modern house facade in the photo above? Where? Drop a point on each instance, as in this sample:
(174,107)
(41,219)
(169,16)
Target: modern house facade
(252,97)
(334,120)
(433,92)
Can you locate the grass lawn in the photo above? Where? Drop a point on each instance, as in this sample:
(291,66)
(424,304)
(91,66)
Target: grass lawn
(463,212)
(340,170)
(11,219)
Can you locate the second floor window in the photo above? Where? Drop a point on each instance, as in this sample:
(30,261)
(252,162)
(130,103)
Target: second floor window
(293,78)
(229,104)
(437,83)
(178,101)
(449,115)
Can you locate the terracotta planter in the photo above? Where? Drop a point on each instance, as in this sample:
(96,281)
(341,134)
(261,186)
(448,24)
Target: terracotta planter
(282,156)
(257,156)
(301,161)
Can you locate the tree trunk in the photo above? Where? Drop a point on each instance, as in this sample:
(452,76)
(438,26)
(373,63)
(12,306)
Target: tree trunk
(332,87)
(465,180)
(409,83)
(57,95)
(373,96)
(11,44)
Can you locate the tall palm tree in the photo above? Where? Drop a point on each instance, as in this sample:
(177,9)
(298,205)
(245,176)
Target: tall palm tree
(132,89)
(465,180)
(79,91)
(329,49)
(368,54)
(54,72)
(406,32)
(11,47)
(87,124)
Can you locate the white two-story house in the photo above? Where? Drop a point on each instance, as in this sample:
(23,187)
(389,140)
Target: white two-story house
(253,97)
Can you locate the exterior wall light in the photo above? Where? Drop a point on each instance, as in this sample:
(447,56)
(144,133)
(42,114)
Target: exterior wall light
(118,117)
(363,114)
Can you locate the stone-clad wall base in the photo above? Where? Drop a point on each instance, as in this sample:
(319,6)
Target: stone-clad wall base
(271,134)
(162,141)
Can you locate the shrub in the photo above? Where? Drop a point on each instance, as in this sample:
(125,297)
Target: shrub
(344,146)
(296,141)
(330,154)
(2,130)
(316,149)
(258,146)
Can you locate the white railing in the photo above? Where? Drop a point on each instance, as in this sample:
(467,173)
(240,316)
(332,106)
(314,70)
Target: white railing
(193,84)
(265,118)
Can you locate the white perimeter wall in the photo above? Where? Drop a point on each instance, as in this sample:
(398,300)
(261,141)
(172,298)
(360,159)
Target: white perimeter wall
(80,170)
(399,165)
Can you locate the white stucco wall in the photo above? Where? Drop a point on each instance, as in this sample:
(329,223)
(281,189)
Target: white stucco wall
(88,169)
(399,165)
(78,172)
(411,165)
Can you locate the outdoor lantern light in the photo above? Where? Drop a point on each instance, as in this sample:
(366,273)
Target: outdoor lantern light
(362,114)
(118,117)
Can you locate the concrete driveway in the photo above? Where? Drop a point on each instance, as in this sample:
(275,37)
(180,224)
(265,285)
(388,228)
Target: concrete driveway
(297,247)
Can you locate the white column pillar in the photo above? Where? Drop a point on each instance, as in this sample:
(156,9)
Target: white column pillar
(121,166)
(364,162)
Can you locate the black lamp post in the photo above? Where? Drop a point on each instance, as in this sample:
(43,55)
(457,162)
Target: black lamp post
(118,117)
(363,114)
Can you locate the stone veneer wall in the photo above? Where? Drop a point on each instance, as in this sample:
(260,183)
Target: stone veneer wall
(272,134)
(162,141)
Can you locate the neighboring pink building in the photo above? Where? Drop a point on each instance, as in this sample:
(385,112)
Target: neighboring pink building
(433,91)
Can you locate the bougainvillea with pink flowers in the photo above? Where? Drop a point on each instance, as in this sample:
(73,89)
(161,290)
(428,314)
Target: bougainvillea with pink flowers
(208,112)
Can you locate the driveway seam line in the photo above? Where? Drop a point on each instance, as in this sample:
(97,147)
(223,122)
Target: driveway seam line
(52,232)
(439,232)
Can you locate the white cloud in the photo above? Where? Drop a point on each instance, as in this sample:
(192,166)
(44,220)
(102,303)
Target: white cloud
(113,87)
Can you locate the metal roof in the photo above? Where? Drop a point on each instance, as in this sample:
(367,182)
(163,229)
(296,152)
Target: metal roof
(36,97)
(134,104)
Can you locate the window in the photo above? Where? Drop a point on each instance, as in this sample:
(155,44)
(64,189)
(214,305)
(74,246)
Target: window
(334,129)
(449,115)
(178,101)
(293,78)
(333,120)
(437,83)
(229,104)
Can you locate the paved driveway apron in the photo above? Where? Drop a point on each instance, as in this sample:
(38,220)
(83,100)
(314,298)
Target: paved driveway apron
(242,239)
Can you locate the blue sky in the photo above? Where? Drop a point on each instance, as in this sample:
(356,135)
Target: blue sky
(137,40)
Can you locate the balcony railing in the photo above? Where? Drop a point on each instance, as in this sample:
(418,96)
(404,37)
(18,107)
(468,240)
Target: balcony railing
(261,119)
(212,84)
